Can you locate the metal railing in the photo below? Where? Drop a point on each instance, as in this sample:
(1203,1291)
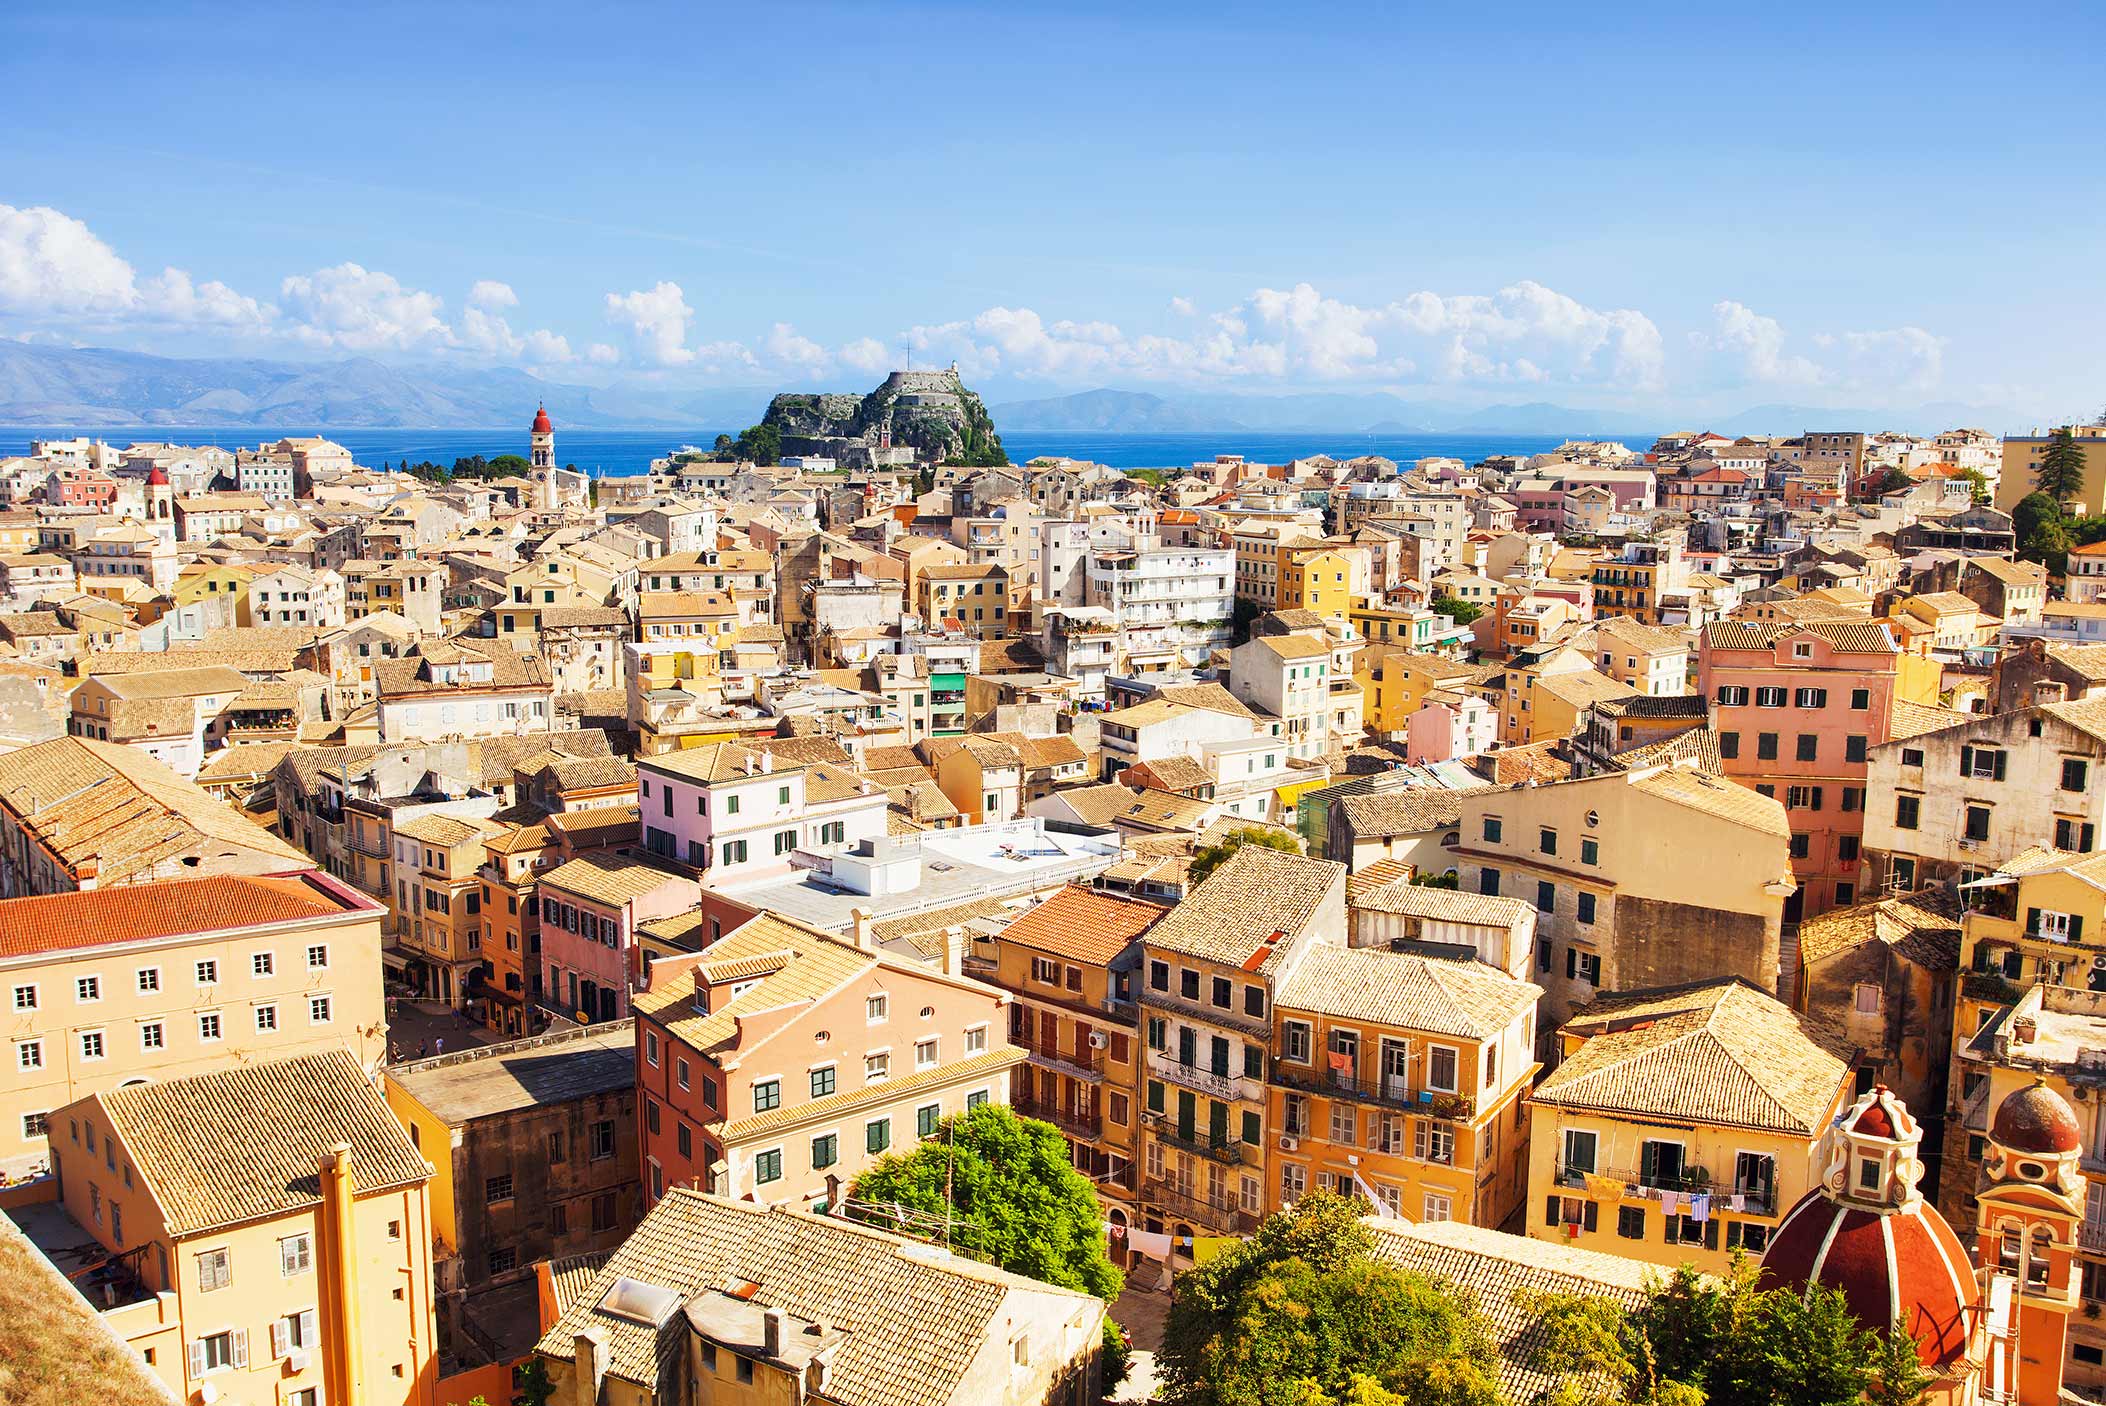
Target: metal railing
(1216,1083)
(1257,1026)
(1756,1199)
(1078,1064)
(1068,1120)
(1227,1150)
(1391,1093)
(1214,1213)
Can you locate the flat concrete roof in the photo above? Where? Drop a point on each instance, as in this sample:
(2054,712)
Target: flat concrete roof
(493,1079)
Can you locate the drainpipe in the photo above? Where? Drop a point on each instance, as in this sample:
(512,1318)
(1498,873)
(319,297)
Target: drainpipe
(342,1354)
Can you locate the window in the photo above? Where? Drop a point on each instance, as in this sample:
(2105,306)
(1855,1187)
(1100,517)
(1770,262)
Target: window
(1590,852)
(1546,896)
(1977,822)
(29,1055)
(1729,746)
(874,1008)
(1861,701)
(822,1081)
(1630,1222)
(1188,983)
(149,979)
(262,964)
(1547,841)
(319,1009)
(1222,992)
(650,1048)
(214,1270)
(152,1037)
(1769,697)
(87,988)
(1732,696)
(497,1188)
(1254,1000)
(925,1052)
(734,852)
(1907,812)
(602,1139)
(1867,998)
(25,998)
(1581,1150)
(1296,1037)
(1440,1069)
(318,957)
(208,973)
(1912,756)
(1488,882)
(1766,746)
(877,1135)
(976,1040)
(1586,907)
(1801,846)
(91,1046)
(2073,835)
(35,1125)
(926,1118)
(767,1094)
(1491,830)
(877,1066)
(295,1255)
(1045,971)
(1982,762)
(1159,976)
(767,1166)
(1854,748)
(2074,773)
(1810,698)
(1809,747)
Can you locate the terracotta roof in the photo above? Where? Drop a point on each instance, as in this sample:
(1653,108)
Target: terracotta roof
(1233,913)
(1847,636)
(1172,773)
(1532,761)
(1464,998)
(1916,719)
(1926,924)
(142,913)
(612,879)
(1402,896)
(912,1324)
(1719,1053)
(2087,661)
(245,1144)
(1406,810)
(1375,876)
(1716,796)
(1083,925)
(813,963)
(1211,696)
(444,831)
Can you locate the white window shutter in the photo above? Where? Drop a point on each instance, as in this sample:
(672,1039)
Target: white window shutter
(308,1339)
(281,1337)
(241,1347)
(196,1352)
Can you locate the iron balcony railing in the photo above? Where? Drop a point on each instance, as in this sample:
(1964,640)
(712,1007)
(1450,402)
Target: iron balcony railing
(1756,1199)
(1209,1212)
(1076,1122)
(1227,1150)
(1390,1093)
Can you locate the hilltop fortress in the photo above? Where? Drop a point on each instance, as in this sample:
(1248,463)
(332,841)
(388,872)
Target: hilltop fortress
(925,417)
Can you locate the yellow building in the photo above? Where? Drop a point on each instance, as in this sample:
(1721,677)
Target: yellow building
(224,581)
(107,987)
(1674,1113)
(2022,467)
(438,901)
(1394,683)
(276,1217)
(1315,578)
(1400,1076)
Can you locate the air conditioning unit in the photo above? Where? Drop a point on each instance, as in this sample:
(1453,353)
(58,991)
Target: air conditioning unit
(1099,1039)
(1288,1144)
(296,1360)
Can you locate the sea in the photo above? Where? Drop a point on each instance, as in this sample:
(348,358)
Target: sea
(619,453)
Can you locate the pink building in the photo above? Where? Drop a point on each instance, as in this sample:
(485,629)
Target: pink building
(80,488)
(1450,726)
(738,815)
(1796,707)
(590,908)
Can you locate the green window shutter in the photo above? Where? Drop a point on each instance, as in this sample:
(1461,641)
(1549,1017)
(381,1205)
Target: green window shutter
(1591,1214)
(1550,1212)
(1966,761)
(2076,927)
(2032,922)
(1999,765)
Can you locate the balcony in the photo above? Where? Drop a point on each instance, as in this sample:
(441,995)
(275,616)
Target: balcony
(1085,1064)
(1079,1123)
(1191,1204)
(1229,1087)
(1756,1199)
(1229,1151)
(2091,1235)
(1390,1093)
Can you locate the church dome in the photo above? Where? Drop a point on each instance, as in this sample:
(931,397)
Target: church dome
(1866,1231)
(157,477)
(541,424)
(2036,1119)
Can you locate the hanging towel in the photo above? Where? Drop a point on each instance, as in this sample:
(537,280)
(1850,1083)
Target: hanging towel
(1669,1200)
(1737,1202)
(1149,1243)
(1700,1206)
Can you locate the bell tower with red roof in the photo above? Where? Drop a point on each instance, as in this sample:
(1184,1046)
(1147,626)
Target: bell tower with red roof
(2030,1201)
(542,455)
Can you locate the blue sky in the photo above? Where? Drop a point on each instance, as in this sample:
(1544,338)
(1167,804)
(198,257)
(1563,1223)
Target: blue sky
(1652,207)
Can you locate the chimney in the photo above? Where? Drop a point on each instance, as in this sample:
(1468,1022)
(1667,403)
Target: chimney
(2049,691)
(865,940)
(590,1349)
(343,1359)
(954,951)
(771,1332)
(767,763)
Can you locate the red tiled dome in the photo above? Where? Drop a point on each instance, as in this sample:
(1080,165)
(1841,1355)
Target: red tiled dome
(2036,1119)
(157,477)
(1873,1257)
(541,424)
(1874,1122)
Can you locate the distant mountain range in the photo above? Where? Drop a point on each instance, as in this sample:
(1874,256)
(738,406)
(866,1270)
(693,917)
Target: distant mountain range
(93,388)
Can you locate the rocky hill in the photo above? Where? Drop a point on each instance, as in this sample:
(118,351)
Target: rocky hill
(929,413)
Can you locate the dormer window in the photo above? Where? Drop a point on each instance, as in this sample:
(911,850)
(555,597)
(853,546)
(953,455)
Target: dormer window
(1868,1173)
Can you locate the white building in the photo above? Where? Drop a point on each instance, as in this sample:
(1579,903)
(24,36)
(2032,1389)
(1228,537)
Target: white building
(1173,606)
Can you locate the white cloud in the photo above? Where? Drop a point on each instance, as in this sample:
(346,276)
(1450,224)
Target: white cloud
(492,295)
(173,297)
(1183,307)
(1522,333)
(52,263)
(1749,348)
(787,348)
(654,320)
(360,309)
(484,328)
(867,355)
(600,354)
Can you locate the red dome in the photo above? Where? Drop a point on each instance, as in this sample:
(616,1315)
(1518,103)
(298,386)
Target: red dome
(157,477)
(2036,1119)
(1906,1262)
(541,424)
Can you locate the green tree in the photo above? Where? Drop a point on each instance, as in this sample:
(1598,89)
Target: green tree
(1977,484)
(1683,1318)
(1207,860)
(1012,1193)
(1785,1346)
(1460,611)
(2043,531)
(1899,1377)
(1117,1360)
(1888,480)
(534,1385)
(1430,880)
(758,444)
(2061,471)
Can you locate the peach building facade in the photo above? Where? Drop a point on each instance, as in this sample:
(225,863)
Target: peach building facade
(119,986)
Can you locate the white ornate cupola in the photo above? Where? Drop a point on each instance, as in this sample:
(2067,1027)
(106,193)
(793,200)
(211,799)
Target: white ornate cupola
(1869,1153)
